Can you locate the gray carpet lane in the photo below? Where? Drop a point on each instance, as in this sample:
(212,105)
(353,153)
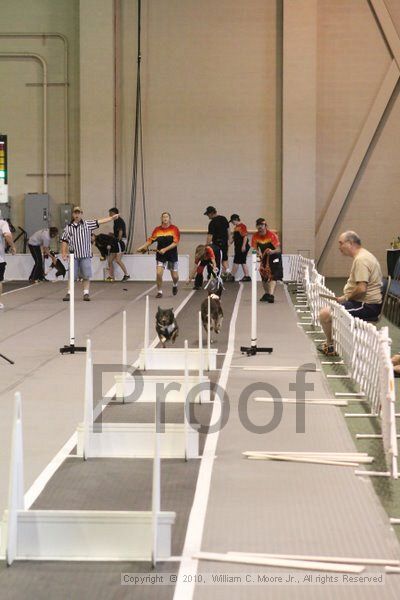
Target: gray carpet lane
(285,507)
(52,385)
(122,484)
(80,581)
(116,484)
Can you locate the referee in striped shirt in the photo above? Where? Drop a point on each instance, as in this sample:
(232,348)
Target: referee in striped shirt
(76,238)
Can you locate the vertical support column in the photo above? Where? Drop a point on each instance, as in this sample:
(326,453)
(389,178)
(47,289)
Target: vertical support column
(201,366)
(146,333)
(88,408)
(156,492)
(186,408)
(253,342)
(16,482)
(299,109)
(97,97)
(208,332)
(71,300)
(124,353)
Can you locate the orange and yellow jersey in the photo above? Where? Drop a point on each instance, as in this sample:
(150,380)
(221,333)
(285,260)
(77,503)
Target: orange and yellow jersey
(164,236)
(262,242)
(239,232)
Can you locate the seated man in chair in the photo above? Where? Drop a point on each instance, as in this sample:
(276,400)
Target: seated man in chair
(362,295)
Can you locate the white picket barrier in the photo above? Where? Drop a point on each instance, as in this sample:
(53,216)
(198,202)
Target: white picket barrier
(365,353)
(80,534)
(388,402)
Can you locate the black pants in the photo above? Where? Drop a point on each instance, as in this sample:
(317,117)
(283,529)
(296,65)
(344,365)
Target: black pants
(37,271)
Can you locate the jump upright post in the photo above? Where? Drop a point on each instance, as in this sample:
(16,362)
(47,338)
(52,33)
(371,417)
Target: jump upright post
(71,348)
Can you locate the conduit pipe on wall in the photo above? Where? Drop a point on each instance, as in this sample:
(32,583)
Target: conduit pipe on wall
(64,39)
(43,63)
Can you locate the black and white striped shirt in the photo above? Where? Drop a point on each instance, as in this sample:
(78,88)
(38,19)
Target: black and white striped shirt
(78,237)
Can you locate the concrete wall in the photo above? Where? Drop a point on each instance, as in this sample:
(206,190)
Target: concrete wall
(210,122)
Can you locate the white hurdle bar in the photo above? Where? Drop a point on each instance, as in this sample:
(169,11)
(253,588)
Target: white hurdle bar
(67,535)
(71,289)
(132,440)
(88,403)
(186,407)
(253,342)
(16,483)
(156,489)
(172,359)
(146,334)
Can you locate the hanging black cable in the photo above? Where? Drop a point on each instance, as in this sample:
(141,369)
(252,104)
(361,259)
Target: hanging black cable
(137,146)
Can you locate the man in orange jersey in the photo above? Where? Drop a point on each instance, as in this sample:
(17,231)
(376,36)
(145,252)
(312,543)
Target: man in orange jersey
(268,248)
(167,237)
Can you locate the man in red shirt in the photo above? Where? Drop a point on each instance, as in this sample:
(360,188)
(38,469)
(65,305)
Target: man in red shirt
(167,237)
(268,248)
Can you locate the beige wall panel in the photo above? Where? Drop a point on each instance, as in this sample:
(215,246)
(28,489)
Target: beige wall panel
(374,205)
(209,110)
(21,105)
(393,7)
(299,125)
(97,106)
(352,62)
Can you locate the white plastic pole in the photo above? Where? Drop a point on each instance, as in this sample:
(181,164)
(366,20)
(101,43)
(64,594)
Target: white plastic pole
(71,300)
(156,484)
(88,408)
(146,333)
(16,482)
(201,349)
(186,407)
(124,349)
(254,300)
(124,352)
(209,332)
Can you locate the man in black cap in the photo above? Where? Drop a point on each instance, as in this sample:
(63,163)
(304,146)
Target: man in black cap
(241,245)
(218,233)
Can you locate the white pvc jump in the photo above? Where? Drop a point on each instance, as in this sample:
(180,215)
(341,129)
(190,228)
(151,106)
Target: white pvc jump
(154,384)
(131,440)
(81,534)
(172,358)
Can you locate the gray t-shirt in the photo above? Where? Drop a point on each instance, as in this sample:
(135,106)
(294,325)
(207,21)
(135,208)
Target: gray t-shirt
(4,228)
(40,238)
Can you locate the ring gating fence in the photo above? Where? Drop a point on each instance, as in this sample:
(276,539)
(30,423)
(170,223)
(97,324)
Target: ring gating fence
(364,351)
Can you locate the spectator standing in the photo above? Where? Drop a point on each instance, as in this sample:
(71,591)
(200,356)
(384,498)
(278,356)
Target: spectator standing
(39,246)
(5,238)
(120,236)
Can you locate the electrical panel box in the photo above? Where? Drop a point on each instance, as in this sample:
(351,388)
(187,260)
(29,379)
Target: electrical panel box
(65,215)
(5,211)
(37,212)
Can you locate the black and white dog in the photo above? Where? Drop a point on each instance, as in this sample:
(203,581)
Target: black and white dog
(166,325)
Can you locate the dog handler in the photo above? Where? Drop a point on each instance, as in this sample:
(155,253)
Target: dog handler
(167,237)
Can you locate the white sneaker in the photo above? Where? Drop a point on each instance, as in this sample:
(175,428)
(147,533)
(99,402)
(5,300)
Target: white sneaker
(1,305)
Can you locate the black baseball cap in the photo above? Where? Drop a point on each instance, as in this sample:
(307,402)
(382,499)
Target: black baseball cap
(210,210)
(234,217)
(260,221)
